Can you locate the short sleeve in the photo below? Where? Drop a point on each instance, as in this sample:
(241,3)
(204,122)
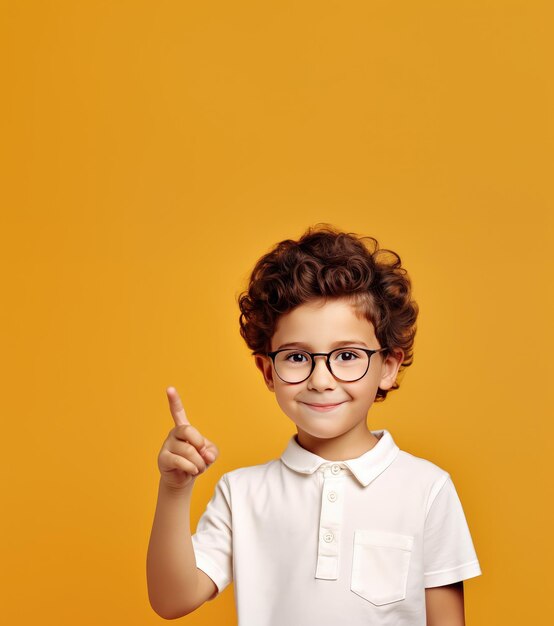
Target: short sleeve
(212,541)
(448,552)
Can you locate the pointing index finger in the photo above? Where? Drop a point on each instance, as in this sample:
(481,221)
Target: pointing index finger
(176,407)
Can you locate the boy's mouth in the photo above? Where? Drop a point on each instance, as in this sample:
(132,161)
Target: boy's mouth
(323,407)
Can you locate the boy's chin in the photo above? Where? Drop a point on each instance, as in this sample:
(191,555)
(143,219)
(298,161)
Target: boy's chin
(319,433)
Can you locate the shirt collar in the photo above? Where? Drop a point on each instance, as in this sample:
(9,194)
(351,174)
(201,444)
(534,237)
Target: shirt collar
(365,467)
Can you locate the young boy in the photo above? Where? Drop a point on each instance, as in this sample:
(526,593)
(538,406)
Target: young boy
(344,528)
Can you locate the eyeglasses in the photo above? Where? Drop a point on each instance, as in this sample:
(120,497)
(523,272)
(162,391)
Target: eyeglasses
(345,364)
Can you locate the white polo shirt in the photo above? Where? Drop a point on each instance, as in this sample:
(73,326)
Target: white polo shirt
(309,542)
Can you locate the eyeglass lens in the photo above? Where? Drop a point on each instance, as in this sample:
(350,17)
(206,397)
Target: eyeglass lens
(294,366)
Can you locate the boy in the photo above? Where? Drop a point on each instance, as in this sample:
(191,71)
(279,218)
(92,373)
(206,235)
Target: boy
(344,528)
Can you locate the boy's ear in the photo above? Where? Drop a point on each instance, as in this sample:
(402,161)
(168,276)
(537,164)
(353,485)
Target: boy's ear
(263,363)
(389,368)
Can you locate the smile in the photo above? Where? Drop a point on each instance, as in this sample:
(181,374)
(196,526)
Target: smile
(323,407)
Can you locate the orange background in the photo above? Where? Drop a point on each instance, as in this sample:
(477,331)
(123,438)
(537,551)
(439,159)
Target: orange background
(151,152)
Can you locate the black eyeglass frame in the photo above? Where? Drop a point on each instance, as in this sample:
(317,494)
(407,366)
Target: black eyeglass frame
(369,353)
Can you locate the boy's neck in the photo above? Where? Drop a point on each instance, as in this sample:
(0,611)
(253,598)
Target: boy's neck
(351,445)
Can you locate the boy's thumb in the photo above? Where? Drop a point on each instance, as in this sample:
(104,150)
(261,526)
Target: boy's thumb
(209,452)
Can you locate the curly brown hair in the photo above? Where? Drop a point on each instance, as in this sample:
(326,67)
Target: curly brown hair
(328,263)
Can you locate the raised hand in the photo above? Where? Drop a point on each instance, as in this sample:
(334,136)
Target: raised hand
(185,452)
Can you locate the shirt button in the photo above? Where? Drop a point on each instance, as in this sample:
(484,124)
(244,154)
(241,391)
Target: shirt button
(335,469)
(332,496)
(328,537)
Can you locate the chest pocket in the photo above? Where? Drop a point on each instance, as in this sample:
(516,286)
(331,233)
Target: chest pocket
(380,565)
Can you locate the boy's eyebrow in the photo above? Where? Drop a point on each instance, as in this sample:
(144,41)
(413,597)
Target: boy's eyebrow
(306,346)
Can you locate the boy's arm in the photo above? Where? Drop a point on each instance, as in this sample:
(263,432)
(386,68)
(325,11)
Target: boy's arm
(445,605)
(175,586)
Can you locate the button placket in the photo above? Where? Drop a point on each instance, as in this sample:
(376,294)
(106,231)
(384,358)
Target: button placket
(330,523)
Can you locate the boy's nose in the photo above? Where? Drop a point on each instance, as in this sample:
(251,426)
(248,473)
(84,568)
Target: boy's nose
(321,377)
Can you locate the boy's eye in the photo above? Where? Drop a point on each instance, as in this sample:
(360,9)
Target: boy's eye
(296,357)
(346,356)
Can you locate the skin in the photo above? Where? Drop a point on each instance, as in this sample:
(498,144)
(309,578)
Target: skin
(445,605)
(342,433)
(176,587)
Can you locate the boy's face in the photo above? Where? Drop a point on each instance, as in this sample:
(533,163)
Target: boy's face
(318,326)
